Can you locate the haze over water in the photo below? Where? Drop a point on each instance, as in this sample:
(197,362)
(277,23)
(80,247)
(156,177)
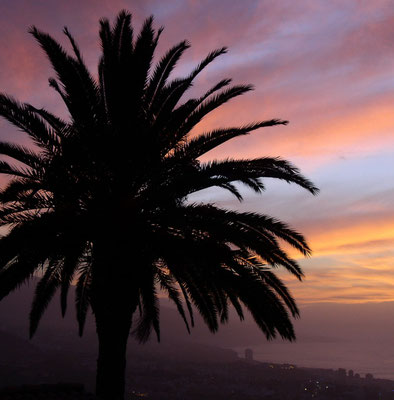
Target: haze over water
(335,336)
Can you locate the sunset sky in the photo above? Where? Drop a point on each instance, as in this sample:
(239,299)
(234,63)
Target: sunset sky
(326,66)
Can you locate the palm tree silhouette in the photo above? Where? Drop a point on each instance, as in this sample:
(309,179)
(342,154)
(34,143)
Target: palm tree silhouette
(101,200)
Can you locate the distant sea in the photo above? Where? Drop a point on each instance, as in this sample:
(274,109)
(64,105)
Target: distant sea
(363,357)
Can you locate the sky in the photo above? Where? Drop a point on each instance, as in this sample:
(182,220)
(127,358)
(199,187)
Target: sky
(326,66)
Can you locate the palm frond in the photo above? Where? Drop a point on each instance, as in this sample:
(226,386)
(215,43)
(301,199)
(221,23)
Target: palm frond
(211,104)
(73,252)
(174,90)
(169,127)
(79,88)
(82,293)
(205,142)
(8,169)
(122,37)
(23,250)
(21,116)
(162,71)
(150,310)
(17,188)
(252,291)
(16,273)
(21,154)
(188,303)
(249,171)
(245,230)
(206,61)
(45,290)
(167,284)
(55,122)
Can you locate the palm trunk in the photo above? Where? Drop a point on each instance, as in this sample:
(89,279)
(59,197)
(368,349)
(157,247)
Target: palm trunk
(114,300)
(111,362)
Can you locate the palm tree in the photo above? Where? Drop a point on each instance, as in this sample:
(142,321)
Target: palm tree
(100,199)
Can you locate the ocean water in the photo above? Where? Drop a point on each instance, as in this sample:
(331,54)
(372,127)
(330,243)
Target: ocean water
(364,357)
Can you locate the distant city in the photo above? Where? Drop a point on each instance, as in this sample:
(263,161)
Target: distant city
(247,379)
